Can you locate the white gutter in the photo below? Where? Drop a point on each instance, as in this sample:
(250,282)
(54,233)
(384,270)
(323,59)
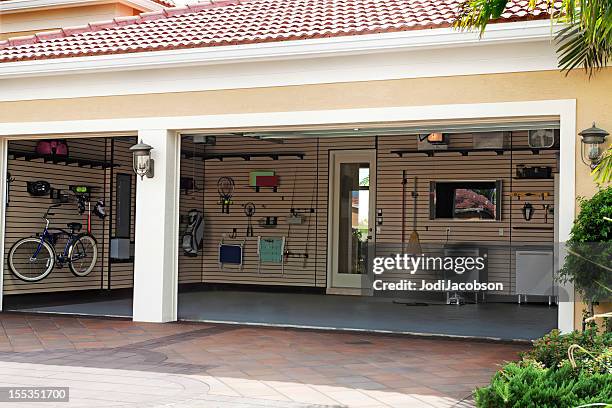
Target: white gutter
(16,6)
(516,32)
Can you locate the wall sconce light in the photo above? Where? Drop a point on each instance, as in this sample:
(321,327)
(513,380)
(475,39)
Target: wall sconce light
(590,149)
(142,163)
(436,138)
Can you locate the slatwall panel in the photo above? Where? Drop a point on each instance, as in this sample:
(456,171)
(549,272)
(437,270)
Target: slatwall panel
(497,236)
(303,184)
(191,268)
(24,212)
(121,275)
(311,189)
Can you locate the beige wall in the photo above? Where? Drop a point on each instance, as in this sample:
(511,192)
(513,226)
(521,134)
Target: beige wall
(24,23)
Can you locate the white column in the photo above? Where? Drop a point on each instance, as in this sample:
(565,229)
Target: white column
(3,193)
(565,210)
(155,258)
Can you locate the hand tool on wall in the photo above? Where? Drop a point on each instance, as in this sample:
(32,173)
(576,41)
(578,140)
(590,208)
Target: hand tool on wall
(547,210)
(414,242)
(249,210)
(404,182)
(9,180)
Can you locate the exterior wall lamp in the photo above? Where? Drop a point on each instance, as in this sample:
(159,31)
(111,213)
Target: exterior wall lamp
(142,163)
(590,149)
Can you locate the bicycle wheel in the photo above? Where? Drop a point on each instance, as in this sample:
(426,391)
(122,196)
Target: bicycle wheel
(25,265)
(83,254)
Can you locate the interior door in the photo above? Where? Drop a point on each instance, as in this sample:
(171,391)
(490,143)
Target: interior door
(352,214)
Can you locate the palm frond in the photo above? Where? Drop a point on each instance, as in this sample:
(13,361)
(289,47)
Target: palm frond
(603,172)
(585,42)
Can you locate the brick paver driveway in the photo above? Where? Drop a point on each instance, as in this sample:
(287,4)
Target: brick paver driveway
(125,364)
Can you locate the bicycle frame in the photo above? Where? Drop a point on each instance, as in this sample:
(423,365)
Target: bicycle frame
(51,239)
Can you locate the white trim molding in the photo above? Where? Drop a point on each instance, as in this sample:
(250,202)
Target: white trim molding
(3,196)
(564,110)
(516,32)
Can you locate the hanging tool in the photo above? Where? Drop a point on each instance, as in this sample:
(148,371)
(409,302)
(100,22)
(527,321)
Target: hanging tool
(9,180)
(225,188)
(88,216)
(249,210)
(414,243)
(295,218)
(404,182)
(547,210)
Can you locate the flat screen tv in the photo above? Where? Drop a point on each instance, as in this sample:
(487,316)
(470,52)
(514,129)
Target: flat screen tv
(472,200)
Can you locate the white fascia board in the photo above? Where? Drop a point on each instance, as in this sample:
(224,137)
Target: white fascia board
(16,6)
(565,109)
(346,45)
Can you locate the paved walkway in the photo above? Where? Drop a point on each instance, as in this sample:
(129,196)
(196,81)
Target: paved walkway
(120,363)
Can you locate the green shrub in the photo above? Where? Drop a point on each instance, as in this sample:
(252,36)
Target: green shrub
(545,376)
(589,250)
(551,350)
(532,385)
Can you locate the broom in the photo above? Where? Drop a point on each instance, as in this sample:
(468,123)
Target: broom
(404,182)
(414,243)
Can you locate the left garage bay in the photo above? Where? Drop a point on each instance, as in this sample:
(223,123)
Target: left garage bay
(69,227)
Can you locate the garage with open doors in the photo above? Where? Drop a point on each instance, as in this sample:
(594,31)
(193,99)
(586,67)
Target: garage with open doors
(69,226)
(284,227)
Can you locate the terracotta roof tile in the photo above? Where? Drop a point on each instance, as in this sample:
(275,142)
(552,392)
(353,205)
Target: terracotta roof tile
(231,22)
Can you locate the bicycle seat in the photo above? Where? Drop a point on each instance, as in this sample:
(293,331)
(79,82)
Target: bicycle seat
(75,226)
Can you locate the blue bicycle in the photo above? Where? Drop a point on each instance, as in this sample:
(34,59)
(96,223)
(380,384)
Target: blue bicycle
(33,258)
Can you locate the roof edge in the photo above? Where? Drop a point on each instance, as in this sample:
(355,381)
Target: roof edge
(511,32)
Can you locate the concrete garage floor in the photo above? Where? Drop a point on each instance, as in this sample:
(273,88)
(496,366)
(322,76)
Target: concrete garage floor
(507,321)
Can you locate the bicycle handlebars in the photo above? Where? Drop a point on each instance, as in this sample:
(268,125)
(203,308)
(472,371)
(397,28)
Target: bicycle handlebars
(48,212)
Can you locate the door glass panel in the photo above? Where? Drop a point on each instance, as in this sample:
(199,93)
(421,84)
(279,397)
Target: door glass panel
(354,218)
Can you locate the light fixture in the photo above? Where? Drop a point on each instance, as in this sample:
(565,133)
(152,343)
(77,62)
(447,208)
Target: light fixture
(436,138)
(527,211)
(590,149)
(142,163)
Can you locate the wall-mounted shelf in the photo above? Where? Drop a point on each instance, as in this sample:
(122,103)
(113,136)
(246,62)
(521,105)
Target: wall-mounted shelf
(28,156)
(244,156)
(533,178)
(533,194)
(533,228)
(466,152)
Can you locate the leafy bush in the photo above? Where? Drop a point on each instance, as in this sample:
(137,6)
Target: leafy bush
(590,249)
(531,385)
(600,363)
(545,377)
(551,350)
